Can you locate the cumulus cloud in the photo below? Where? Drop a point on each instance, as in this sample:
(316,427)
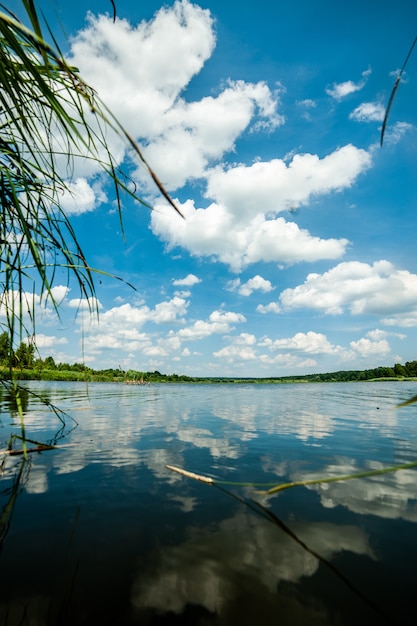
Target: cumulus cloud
(49,341)
(242,348)
(395,132)
(366,347)
(403,320)
(271,187)
(240,227)
(308,103)
(84,304)
(120,325)
(257,283)
(130,332)
(378,289)
(368,112)
(338,91)
(185,140)
(32,305)
(81,197)
(211,232)
(196,133)
(272,307)
(308,343)
(151,64)
(290,352)
(218,322)
(188,281)
(121,328)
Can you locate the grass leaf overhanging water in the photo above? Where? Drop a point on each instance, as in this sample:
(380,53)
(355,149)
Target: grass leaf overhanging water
(50,120)
(268,515)
(274,488)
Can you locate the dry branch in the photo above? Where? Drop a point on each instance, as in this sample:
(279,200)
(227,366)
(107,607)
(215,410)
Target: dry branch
(203,479)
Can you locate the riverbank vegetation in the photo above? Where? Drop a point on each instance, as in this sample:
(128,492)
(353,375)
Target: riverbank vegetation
(25,366)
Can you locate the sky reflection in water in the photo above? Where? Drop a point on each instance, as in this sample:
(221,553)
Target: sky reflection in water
(102,532)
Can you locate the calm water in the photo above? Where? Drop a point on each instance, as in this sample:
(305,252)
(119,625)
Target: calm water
(101,532)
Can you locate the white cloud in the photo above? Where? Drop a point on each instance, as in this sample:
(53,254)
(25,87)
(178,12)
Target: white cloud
(84,304)
(151,64)
(81,197)
(308,343)
(257,283)
(242,348)
(378,334)
(368,112)
(245,339)
(394,133)
(49,341)
(338,91)
(366,347)
(119,327)
(402,320)
(279,352)
(272,307)
(170,311)
(188,281)
(376,289)
(211,232)
(218,322)
(240,227)
(30,305)
(236,353)
(308,103)
(121,330)
(271,187)
(196,133)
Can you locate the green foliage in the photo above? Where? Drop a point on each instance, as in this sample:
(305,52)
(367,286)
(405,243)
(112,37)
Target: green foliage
(49,363)
(5,349)
(24,356)
(49,120)
(49,370)
(31,368)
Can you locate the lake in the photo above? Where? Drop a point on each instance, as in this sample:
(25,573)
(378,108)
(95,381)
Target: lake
(99,531)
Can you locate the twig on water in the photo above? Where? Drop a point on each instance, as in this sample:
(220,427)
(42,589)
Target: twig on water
(203,479)
(40,448)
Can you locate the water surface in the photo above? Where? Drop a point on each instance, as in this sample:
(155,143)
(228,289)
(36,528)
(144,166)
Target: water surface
(100,531)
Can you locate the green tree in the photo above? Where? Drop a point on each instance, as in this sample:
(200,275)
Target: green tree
(5,349)
(24,355)
(411,368)
(49,363)
(399,370)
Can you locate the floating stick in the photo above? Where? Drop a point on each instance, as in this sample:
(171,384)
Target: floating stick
(203,479)
(39,448)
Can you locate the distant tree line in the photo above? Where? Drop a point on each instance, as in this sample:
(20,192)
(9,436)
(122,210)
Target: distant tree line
(409,370)
(24,358)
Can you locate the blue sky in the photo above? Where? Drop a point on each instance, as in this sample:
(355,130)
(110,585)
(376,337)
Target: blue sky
(297,251)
